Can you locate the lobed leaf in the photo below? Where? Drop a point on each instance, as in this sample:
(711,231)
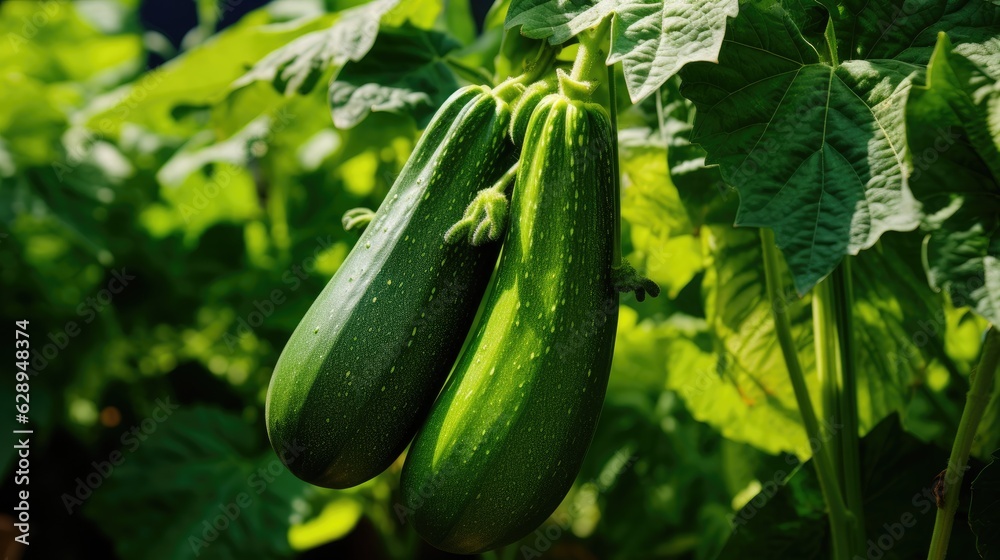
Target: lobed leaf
(817,149)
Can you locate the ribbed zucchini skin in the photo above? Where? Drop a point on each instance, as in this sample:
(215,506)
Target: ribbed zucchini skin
(525,106)
(362,368)
(508,434)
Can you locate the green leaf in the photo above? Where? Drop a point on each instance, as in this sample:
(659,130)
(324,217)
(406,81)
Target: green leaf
(183,478)
(405,72)
(954,132)
(817,150)
(984,508)
(298,66)
(652,39)
(53,43)
(200,77)
(788,519)
(31,123)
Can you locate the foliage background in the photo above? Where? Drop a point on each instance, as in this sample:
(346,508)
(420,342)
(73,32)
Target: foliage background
(162,143)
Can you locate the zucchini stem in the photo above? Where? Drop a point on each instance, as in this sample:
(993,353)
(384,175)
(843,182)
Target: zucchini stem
(980,382)
(847,401)
(839,521)
(485,218)
(592,54)
(586,75)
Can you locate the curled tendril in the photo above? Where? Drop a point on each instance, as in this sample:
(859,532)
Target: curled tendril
(357,218)
(484,220)
(626,279)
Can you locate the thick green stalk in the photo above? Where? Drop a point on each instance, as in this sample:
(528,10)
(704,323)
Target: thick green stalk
(980,382)
(593,53)
(843,297)
(839,524)
(827,368)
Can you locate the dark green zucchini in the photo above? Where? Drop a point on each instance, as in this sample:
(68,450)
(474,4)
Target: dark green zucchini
(360,372)
(508,434)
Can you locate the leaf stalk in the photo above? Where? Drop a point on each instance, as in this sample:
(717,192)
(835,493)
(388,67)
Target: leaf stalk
(980,383)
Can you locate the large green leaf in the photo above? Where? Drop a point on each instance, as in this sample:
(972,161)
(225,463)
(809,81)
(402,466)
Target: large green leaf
(652,39)
(954,132)
(199,471)
(817,149)
(788,519)
(405,72)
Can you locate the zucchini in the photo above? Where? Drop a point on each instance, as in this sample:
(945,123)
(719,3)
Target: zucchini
(507,436)
(358,375)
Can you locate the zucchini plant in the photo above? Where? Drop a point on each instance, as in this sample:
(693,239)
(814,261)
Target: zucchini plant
(816,115)
(808,191)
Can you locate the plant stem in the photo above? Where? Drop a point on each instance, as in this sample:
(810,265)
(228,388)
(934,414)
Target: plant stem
(839,528)
(827,366)
(980,383)
(592,54)
(507,178)
(616,246)
(843,300)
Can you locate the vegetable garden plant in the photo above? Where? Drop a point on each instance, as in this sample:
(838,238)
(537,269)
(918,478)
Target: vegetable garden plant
(815,113)
(809,191)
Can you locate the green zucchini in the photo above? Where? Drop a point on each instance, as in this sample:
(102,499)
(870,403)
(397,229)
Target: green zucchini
(507,436)
(358,375)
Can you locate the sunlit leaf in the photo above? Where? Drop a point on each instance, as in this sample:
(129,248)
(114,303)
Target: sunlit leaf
(954,130)
(159,100)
